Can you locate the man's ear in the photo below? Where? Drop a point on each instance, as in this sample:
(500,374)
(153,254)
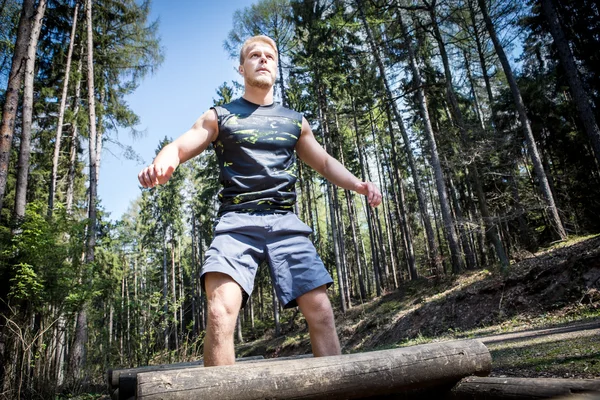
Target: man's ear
(241,70)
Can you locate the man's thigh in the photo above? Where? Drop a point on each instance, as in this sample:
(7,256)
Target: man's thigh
(236,251)
(296,268)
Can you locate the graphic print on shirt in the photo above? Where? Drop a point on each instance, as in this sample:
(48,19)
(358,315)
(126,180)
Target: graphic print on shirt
(257,161)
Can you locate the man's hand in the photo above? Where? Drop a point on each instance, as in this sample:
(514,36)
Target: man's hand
(186,146)
(154,175)
(371,191)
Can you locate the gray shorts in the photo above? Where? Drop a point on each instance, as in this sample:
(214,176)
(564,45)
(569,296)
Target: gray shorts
(243,240)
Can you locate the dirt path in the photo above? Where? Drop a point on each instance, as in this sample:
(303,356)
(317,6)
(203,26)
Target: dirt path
(549,334)
(571,351)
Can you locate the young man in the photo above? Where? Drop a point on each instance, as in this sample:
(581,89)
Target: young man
(256,142)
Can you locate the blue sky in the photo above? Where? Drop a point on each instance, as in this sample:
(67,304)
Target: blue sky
(192,34)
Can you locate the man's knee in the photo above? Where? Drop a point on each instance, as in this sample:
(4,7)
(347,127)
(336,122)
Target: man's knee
(316,307)
(224,297)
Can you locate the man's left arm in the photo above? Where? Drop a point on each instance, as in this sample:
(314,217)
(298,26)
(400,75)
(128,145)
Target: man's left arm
(311,152)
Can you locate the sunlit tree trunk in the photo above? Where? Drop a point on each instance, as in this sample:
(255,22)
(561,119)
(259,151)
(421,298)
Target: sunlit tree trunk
(74,143)
(276,311)
(25,148)
(165,282)
(78,357)
(13,87)
(61,114)
(174,289)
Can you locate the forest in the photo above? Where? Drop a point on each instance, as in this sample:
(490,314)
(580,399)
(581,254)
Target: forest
(478,120)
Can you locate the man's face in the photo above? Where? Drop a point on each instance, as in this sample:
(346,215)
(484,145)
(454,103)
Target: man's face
(260,66)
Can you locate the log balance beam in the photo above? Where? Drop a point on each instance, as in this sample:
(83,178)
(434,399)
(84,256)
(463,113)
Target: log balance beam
(122,383)
(350,376)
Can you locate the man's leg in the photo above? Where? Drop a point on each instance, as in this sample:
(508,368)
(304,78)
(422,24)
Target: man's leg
(317,310)
(224,297)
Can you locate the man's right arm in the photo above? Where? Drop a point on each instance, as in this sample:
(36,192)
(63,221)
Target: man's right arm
(193,142)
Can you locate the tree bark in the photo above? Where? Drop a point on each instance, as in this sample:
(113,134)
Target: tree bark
(61,114)
(322,106)
(74,143)
(275,311)
(525,125)
(482,61)
(79,349)
(165,292)
(25,148)
(11,102)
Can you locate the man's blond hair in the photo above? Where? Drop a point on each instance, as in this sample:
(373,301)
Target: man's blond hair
(254,39)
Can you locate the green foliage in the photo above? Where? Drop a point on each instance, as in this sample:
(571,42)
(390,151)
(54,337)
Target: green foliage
(25,284)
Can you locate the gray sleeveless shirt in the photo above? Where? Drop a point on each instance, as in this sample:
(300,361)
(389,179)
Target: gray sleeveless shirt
(257,161)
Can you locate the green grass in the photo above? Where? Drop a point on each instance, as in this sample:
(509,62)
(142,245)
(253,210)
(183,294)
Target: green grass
(579,356)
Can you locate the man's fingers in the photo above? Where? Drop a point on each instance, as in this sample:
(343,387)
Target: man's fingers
(374,195)
(147,177)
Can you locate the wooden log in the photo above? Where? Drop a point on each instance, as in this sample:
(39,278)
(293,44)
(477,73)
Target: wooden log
(490,388)
(114,374)
(338,377)
(125,380)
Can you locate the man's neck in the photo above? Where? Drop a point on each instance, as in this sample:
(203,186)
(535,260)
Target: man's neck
(258,96)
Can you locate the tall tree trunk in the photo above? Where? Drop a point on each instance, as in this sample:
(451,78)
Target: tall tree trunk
(379,284)
(195,286)
(322,105)
(174,288)
(165,293)
(343,254)
(11,101)
(276,311)
(397,188)
(459,119)
(435,259)
(74,143)
(61,114)
(391,253)
(482,61)
(526,126)
(580,97)
(449,225)
(476,102)
(284,101)
(238,325)
(359,268)
(79,348)
(25,148)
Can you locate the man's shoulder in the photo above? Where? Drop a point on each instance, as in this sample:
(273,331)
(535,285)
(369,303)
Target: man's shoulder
(233,107)
(288,112)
